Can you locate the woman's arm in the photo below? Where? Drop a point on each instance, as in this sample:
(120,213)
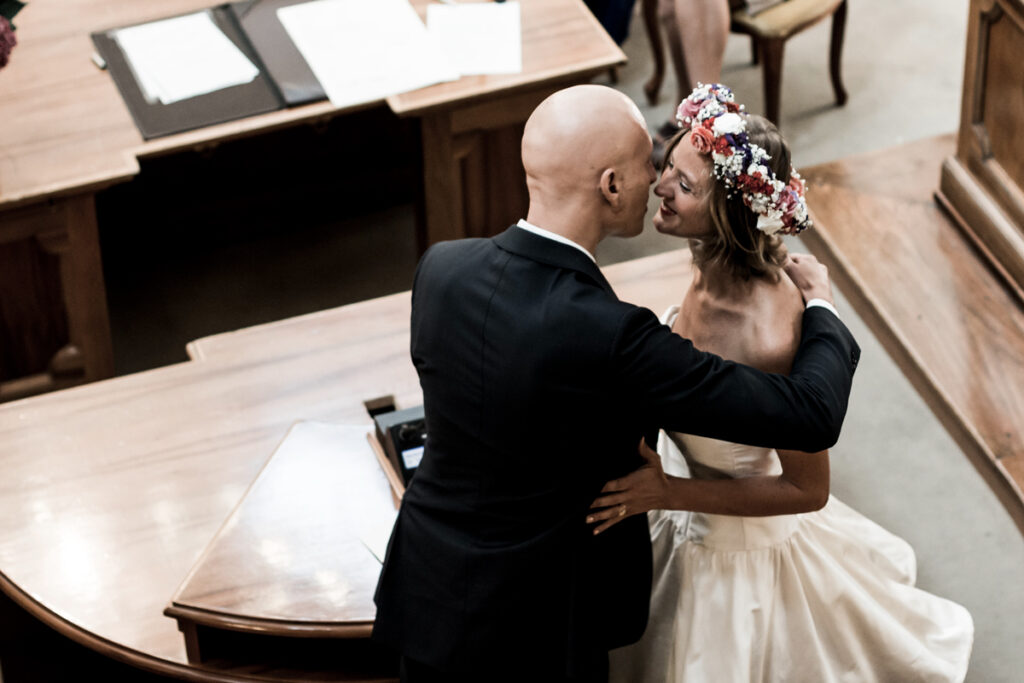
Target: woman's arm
(803,486)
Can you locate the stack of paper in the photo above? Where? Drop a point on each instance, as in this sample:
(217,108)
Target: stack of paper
(183,57)
(479,38)
(366,50)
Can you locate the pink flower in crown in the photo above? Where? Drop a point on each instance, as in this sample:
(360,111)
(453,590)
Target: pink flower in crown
(789,202)
(702,139)
(688,110)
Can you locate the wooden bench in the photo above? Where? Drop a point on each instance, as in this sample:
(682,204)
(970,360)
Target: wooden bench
(952,323)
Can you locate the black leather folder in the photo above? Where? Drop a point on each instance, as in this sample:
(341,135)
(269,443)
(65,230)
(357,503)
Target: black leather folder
(285,64)
(156,119)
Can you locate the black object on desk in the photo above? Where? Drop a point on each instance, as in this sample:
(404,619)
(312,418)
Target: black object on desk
(403,433)
(155,119)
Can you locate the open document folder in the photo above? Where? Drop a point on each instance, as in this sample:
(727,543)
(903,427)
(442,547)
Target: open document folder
(183,57)
(365,50)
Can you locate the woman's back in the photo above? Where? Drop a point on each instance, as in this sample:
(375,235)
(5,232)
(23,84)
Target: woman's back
(754,321)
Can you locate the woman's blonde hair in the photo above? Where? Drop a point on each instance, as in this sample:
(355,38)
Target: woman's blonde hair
(736,243)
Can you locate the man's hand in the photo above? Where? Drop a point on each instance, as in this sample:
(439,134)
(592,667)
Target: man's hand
(810,277)
(639,491)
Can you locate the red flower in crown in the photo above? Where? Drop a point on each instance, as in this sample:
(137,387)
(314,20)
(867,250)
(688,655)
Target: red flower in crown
(722,146)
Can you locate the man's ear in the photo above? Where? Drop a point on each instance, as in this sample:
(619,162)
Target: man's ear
(610,187)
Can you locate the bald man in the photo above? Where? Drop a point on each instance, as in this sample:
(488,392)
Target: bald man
(538,384)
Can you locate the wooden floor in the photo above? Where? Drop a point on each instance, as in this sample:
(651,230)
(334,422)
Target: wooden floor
(951,323)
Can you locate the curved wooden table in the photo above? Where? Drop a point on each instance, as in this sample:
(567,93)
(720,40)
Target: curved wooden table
(112,490)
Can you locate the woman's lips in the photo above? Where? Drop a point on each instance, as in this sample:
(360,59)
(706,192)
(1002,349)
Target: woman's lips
(665,211)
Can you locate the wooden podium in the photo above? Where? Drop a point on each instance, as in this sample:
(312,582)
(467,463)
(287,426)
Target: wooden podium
(983,184)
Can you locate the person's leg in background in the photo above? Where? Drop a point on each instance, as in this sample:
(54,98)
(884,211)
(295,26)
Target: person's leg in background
(697,32)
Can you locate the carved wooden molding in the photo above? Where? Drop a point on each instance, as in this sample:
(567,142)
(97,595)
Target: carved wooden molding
(983,184)
(986,18)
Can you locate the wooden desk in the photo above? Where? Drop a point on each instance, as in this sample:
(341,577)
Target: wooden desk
(113,489)
(67,135)
(295,566)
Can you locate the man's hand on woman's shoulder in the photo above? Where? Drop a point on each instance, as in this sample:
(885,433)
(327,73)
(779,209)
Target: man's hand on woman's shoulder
(810,277)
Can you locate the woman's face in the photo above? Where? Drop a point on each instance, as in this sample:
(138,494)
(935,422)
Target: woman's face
(685,190)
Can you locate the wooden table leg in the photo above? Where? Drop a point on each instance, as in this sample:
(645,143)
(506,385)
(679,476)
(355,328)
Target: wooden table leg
(473,178)
(442,181)
(70,325)
(84,289)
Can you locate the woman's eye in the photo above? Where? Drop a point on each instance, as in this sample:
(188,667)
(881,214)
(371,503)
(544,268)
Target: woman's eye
(684,188)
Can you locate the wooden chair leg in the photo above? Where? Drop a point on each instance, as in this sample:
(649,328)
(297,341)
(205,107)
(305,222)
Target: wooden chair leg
(755,55)
(653,85)
(771,54)
(835,52)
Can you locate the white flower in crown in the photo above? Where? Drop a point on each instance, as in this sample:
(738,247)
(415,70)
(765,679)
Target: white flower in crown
(728,123)
(727,167)
(769,224)
(756,167)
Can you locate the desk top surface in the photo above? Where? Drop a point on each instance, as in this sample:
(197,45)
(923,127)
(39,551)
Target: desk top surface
(112,490)
(67,130)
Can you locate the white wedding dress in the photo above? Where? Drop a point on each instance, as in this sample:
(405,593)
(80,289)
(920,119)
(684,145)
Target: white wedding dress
(820,597)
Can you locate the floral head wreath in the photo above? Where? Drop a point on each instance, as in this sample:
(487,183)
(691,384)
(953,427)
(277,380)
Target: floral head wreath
(718,128)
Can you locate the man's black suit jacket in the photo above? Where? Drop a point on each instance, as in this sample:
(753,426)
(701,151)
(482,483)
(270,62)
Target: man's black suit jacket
(538,384)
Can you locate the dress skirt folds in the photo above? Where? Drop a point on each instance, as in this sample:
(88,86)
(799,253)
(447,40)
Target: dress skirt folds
(821,597)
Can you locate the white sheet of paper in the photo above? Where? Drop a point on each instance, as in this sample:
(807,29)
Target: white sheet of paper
(342,475)
(479,38)
(365,50)
(175,59)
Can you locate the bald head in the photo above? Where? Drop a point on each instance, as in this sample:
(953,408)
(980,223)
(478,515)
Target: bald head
(579,145)
(577,131)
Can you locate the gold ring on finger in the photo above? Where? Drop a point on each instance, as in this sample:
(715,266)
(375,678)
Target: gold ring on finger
(622,510)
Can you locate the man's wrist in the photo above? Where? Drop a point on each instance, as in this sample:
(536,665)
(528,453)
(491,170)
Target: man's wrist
(822,303)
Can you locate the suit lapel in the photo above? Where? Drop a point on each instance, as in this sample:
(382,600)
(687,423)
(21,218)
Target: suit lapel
(543,250)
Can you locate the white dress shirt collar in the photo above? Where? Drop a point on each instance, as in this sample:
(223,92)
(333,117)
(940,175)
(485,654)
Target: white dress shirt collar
(553,236)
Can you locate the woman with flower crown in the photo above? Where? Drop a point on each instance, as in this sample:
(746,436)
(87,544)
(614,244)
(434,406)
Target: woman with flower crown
(760,575)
